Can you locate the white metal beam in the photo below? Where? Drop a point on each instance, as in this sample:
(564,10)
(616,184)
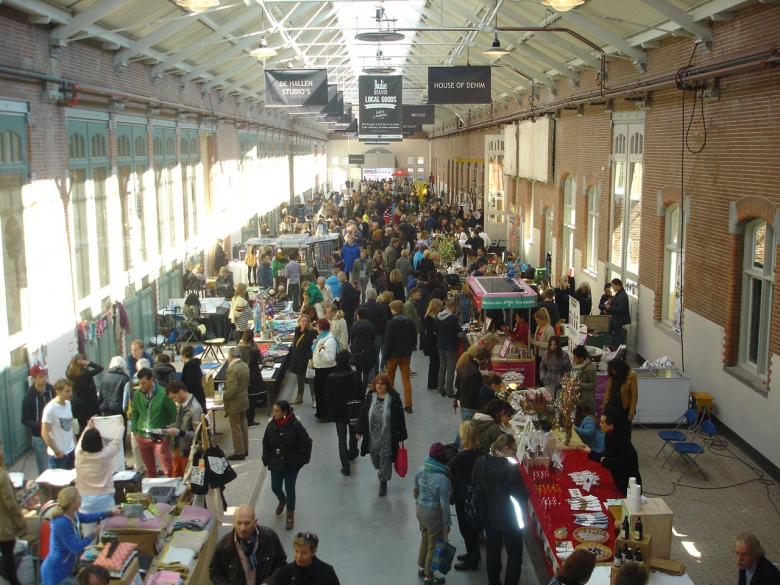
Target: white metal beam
(137,47)
(680,17)
(561,68)
(599,31)
(83,19)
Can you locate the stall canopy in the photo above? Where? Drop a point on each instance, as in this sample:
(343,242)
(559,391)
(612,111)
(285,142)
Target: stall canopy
(500,292)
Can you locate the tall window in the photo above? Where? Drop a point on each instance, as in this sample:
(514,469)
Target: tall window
(672,250)
(625,219)
(13,174)
(164,151)
(593,228)
(132,164)
(569,224)
(189,180)
(758,279)
(89,163)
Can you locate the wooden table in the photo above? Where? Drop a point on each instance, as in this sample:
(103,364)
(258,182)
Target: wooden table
(199,574)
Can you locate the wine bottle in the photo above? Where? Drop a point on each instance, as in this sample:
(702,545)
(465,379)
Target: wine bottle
(618,556)
(625,553)
(624,529)
(629,556)
(638,557)
(638,529)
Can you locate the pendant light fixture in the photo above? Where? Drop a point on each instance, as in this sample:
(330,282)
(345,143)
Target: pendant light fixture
(563,5)
(380,35)
(263,51)
(197,5)
(496,51)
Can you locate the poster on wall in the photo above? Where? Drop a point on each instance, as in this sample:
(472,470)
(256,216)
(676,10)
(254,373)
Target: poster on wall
(380,106)
(293,88)
(419,114)
(459,85)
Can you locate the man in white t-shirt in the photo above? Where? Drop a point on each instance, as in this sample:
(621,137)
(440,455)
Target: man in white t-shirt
(57,427)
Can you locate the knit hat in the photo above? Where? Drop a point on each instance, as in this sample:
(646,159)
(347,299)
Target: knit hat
(438,452)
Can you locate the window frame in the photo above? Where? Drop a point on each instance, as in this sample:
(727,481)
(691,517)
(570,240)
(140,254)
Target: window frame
(592,246)
(569,223)
(750,275)
(673,250)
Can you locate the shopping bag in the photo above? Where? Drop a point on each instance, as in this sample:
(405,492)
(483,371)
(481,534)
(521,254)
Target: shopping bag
(402,461)
(443,557)
(310,370)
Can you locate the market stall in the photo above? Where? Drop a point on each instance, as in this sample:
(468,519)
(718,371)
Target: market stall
(502,293)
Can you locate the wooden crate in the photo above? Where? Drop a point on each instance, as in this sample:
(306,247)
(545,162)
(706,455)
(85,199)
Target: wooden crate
(130,572)
(657,520)
(645,545)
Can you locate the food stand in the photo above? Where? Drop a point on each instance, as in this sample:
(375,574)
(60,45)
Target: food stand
(501,292)
(315,252)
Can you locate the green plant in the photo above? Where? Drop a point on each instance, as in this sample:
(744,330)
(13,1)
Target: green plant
(446,248)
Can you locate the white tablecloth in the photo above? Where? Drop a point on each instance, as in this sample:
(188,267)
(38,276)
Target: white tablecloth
(239,270)
(601,577)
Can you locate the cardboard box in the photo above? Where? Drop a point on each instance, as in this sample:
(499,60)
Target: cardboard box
(657,520)
(668,567)
(645,545)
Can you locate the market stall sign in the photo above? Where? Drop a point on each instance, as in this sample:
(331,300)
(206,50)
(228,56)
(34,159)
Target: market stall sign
(357,159)
(459,85)
(380,106)
(293,88)
(419,114)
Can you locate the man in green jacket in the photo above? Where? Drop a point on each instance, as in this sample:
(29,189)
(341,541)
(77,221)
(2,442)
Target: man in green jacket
(277,268)
(236,399)
(410,307)
(152,409)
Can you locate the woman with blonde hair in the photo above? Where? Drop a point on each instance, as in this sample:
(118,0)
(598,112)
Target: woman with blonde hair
(239,309)
(224,284)
(429,349)
(85,402)
(469,379)
(67,543)
(461,468)
(544,331)
(396,286)
(12,524)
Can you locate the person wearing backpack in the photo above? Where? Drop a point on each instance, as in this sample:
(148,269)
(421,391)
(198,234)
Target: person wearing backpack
(324,350)
(286,449)
(500,479)
(432,489)
(461,468)
(342,387)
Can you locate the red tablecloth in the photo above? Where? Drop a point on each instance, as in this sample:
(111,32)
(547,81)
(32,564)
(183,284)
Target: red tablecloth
(574,460)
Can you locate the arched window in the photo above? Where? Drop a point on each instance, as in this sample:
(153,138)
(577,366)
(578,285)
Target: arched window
(670,304)
(569,213)
(758,278)
(593,228)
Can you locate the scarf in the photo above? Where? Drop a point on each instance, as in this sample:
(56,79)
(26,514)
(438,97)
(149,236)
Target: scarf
(322,335)
(435,466)
(250,549)
(576,369)
(283,421)
(386,413)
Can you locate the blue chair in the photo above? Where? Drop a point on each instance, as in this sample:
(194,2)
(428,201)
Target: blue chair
(677,434)
(690,451)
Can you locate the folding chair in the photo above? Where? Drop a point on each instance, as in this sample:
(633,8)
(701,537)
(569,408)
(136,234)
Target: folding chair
(678,435)
(689,451)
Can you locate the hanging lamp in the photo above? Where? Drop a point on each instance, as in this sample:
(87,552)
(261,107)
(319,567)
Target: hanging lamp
(197,5)
(563,5)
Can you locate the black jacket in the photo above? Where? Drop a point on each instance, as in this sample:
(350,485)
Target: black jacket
(192,378)
(85,403)
(620,458)
(350,297)
(285,447)
(430,335)
(468,383)
(32,407)
(250,355)
(341,386)
(585,300)
(552,310)
(562,302)
(164,373)
(377,314)
(398,432)
(400,338)
(361,340)
(619,310)
(300,350)
(318,573)
(397,288)
(112,390)
(425,265)
(226,569)
(447,328)
(461,468)
(501,479)
(766,574)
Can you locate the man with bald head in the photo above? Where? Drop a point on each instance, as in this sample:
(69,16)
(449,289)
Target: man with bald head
(247,555)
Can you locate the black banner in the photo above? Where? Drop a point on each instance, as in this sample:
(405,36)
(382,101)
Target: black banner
(412,127)
(419,114)
(357,159)
(380,106)
(335,110)
(459,85)
(293,88)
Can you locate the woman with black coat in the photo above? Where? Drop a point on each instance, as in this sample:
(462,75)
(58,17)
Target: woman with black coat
(286,448)
(251,356)
(192,375)
(429,349)
(85,403)
(469,379)
(363,347)
(382,426)
(341,387)
(300,354)
(461,468)
(505,492)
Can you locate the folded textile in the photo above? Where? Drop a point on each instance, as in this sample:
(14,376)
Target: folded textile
(164,578)
(192,518)
(121,556)
(190,539)
(174,555)
(154,523)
